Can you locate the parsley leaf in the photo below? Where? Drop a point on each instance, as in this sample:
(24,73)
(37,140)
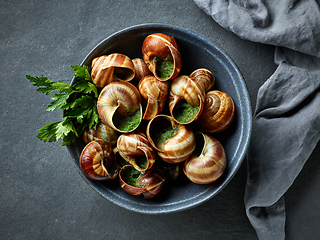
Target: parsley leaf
(47,86)
(60,100)
(78,101)
(84,83)
(81,72)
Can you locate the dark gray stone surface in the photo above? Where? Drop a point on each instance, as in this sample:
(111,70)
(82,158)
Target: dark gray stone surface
(43,197)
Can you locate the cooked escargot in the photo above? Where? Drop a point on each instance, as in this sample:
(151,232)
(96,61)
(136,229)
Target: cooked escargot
(205,77)
(161,54)
(119,106)
(142,184)
(174,142)
(218,112)
(186,99)
(102,132)
(207,162)
(141,69)
(108,68)
(155,93)
(97,161)
(136,150)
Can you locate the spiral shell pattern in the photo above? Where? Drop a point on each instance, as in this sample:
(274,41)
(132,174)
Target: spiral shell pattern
(155,92)
(102,132)
(108,68)
(218,112)
(121,97)
(177,148)
(131,145)
(187,88)
(161,46)
(209,165)
(205,77)
(97,161)
(147,186)
(141,69)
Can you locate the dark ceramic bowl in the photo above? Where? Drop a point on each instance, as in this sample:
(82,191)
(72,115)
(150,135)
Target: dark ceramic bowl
(197,51)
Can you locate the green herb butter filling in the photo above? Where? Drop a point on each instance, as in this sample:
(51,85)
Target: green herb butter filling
(127,123)
(185,112)
(141,161)
(131,176)
(164,67)
(164,135)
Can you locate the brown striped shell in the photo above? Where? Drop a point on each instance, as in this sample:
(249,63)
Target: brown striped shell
(218,112)
(117,101)
(161,46)
(205,77)
(178,146)
(102,132)
(136,150)
(146,184)
(208,161)
(155,92)
(97,161)
(108,68)
(185,89)
(141,69)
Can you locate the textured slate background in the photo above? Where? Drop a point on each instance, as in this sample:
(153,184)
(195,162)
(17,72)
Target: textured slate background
(41,194)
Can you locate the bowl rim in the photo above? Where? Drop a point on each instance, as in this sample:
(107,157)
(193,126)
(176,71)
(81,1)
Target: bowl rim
(245,140)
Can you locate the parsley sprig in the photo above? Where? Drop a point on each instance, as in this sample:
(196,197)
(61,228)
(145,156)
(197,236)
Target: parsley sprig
(78,101)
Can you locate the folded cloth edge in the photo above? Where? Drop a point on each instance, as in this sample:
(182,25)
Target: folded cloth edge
(265,203)
(290,24)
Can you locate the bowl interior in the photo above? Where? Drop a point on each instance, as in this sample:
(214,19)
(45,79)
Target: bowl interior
(197,51)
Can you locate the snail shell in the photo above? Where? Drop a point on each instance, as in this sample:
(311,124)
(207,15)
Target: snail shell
(141,69)
(97,161)
(108,68)
(208,161)
(172,171)
(155,92)
(102,132)
(136,150)
(142,184)
(121,99)
(190,90)
(179,142)
(159,46)
(218,112)
(205,77)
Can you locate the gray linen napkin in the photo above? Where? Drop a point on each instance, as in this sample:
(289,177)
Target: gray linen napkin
(286,121)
